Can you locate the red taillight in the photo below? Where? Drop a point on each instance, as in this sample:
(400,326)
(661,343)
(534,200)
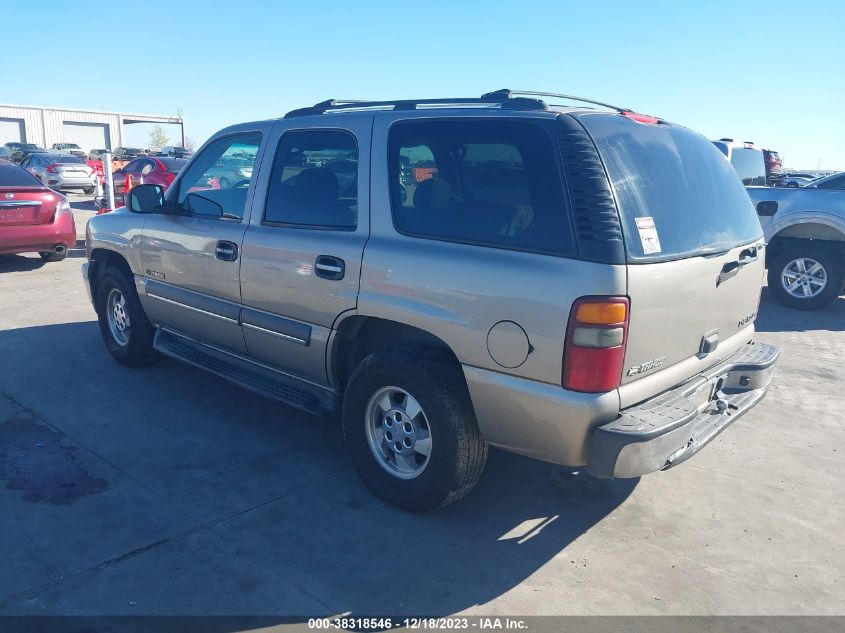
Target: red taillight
(52,168)
(641,118)
(595,344)
(168,179)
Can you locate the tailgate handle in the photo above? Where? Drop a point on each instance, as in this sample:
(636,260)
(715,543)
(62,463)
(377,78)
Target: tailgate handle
(747,256)
(709,342)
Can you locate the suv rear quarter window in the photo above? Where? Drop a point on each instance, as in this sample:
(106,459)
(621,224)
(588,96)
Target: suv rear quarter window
(489,182)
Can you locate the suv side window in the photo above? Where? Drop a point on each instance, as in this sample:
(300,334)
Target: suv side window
(209,189)
(491,183)
(314,182)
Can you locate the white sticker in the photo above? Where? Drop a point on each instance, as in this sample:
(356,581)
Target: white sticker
(648,235)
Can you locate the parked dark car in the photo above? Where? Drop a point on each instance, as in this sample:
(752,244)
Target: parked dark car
(128,152)
(176,151)
(19,151)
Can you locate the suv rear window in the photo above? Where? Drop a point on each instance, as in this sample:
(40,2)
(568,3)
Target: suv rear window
(673,185)
(486,182)
(14,176)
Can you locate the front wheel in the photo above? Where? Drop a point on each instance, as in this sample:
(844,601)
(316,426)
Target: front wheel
(806,277)
(126,330)
(88,190)
(410,429)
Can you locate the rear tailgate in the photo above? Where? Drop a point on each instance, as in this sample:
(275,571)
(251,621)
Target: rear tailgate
(23,199)
(694,249)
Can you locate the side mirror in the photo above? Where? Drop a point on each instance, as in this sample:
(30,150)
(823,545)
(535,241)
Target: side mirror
(145,199)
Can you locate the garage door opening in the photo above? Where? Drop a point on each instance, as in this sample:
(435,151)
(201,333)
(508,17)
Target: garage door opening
(12,131)
(87,135)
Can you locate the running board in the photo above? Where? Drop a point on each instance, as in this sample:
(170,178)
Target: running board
(258,378)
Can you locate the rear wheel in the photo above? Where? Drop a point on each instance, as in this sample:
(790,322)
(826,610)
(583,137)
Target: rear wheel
(410,429)
(806,277)
(88,190)
(126,330)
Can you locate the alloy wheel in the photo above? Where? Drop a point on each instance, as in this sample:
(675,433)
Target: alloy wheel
(804,278)
(398,432)
(117,314)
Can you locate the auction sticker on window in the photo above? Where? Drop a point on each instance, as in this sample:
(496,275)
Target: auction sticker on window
(648,235)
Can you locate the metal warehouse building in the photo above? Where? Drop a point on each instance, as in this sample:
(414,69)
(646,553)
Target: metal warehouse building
(90,129)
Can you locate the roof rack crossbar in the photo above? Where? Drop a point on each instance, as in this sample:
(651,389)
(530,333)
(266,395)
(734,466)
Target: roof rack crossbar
(332,105)
(506,93)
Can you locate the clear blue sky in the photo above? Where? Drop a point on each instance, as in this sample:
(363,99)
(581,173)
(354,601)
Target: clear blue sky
(771,72)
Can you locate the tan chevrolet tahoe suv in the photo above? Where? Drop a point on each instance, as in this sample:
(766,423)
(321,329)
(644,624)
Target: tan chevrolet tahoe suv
(575,284)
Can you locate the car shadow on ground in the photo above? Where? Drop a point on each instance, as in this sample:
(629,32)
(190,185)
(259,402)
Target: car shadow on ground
(776,317)
(19,263)
(277,490)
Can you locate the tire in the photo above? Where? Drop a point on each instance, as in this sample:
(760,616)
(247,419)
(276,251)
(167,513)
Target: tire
(49,256)
(88,190)
(136,347)
(784,266)
(457,452)
(224,183)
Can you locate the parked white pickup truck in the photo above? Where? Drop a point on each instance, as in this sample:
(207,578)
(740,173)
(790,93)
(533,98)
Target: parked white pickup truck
(805,232)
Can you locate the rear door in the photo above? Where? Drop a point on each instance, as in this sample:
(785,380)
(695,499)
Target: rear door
(694,248)
(302,252)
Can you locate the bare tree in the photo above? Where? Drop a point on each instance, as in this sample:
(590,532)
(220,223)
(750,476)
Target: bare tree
(190,144)
(158,137)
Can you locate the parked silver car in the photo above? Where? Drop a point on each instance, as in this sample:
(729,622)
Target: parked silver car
(61,171)
(68,148)
(497,270)
(805,230)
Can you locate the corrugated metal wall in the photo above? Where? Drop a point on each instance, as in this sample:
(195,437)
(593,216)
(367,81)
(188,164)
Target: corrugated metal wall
(45,126)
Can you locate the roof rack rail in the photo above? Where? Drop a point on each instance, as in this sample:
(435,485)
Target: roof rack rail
(506,93)
(489,99)
(505,99)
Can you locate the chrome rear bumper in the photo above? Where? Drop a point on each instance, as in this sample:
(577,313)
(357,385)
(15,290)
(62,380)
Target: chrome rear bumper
(672,427)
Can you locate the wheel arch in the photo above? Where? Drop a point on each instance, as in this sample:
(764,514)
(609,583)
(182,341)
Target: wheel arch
(357,336)
(102,259)
(823,234)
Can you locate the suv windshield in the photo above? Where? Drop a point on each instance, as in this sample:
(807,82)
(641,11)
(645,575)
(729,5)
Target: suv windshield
(677,195)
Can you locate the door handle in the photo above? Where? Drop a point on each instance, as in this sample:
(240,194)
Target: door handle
(329,267)
(226,251)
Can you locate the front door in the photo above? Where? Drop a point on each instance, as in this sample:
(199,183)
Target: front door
(191,254)
(302,251)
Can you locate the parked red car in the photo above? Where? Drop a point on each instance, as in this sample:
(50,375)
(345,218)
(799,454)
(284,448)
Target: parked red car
(774,164)
(33,218)
(152,170)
